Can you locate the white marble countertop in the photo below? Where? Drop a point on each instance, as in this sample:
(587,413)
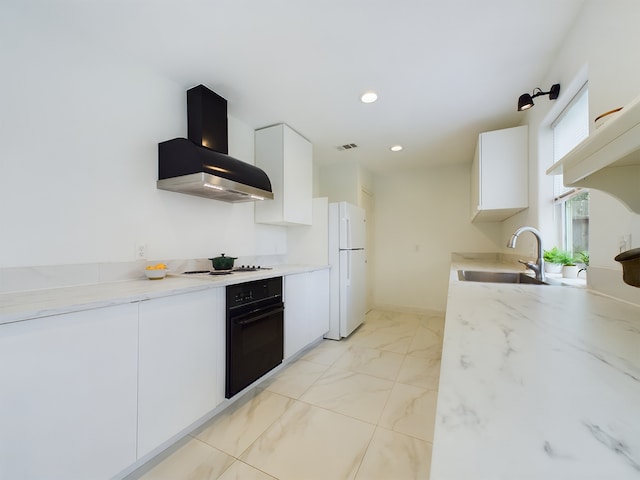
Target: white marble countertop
(26,305)
(537,382)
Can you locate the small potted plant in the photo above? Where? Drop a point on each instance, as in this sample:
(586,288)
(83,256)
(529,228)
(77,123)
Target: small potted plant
(553,260)
(569,267)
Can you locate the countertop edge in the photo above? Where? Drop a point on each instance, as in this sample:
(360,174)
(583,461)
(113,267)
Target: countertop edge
(33,304)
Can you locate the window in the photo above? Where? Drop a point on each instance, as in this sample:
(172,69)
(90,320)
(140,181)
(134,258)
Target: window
(571,204)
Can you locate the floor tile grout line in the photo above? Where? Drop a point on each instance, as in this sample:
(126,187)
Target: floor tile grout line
(255,468)
(377,424)
(312,406)
(344,369)
(337,413)
(386,322)
(257,389)
(364,454)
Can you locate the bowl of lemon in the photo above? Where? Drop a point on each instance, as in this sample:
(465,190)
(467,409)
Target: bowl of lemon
(156,272)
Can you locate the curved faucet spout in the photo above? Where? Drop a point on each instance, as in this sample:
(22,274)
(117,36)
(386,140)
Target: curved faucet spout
(538,267)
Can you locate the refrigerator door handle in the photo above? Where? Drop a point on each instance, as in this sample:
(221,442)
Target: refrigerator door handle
(347,227)
(349,267)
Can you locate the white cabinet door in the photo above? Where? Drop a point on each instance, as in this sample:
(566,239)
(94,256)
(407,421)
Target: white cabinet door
(306,314)
(287,158)
(178,381)
(68,395)
(500,174)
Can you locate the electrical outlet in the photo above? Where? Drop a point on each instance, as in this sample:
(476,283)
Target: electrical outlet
(141,251)
(624,243)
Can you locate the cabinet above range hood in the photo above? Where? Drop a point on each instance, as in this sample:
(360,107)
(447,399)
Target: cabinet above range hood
(199,165)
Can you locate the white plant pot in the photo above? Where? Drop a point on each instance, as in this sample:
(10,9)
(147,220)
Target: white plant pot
(553,267)
(570,271)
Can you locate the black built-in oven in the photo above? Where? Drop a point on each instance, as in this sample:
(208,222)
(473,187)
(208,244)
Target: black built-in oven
(255,331)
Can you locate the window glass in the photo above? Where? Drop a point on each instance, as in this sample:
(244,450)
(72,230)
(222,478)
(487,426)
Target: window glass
(576,222)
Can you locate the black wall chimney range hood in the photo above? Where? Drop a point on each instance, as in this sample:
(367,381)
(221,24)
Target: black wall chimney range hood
(199,165)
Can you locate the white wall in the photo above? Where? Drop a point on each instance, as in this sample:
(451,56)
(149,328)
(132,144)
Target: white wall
(421,217)
(309,244)
(339,182)
(602,43)
(79,129)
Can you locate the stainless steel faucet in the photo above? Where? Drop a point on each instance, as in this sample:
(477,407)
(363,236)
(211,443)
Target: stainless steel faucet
(538,266)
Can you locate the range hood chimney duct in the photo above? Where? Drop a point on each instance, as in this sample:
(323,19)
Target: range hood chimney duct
(200,165)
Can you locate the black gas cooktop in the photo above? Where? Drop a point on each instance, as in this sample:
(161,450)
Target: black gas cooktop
(241,268)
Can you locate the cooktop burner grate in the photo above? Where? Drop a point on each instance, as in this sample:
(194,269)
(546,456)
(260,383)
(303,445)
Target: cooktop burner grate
(242,268)
(249,268)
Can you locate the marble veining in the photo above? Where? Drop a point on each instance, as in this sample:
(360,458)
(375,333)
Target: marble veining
(394,456)
(247,419)
(378,363)
(410,410)
(322,417)
(354,394)
(613,444)
(304,436)
(537,382)
(45,302)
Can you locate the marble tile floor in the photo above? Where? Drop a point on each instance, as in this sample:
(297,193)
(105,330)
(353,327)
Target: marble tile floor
(359,409)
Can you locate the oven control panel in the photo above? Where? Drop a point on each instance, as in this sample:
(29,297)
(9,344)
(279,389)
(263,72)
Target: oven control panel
(255,291)
(243,297)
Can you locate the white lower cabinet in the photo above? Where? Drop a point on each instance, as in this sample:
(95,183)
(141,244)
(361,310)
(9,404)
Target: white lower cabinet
(68,395)
(178,363)
(306,314)
(86,395)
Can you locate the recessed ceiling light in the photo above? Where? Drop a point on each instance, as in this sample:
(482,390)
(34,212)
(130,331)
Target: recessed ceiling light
(369,97)
(396,148)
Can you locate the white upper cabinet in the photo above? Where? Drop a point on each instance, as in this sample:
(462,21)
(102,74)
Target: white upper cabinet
(500,175)
(608,159)
(287,158)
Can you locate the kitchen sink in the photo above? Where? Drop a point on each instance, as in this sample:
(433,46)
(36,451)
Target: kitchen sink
(497,277)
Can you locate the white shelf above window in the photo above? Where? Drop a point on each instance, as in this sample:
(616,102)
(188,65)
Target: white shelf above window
(608,159)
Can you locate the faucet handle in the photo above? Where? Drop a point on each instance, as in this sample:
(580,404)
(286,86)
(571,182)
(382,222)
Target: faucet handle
(530,265)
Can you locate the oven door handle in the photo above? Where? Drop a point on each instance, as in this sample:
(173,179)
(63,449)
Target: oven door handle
(257,315)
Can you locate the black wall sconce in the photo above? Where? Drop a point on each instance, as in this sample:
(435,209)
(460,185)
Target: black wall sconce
(526,101)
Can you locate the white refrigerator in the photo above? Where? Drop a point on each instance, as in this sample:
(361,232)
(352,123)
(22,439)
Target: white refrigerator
(347,234)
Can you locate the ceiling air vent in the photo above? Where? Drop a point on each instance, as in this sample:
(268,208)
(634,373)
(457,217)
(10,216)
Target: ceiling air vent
(347,146)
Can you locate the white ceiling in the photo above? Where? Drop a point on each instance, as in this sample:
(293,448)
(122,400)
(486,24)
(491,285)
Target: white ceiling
(444,70)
